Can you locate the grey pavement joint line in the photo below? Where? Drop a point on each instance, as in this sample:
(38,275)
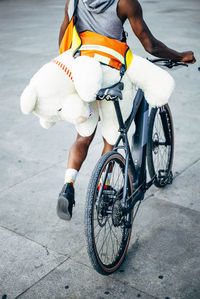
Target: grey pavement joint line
(18,296)
(186,168)
(117,280)
(29,239)
(112,278)
(176,176)
(68,258)
(42,245)
(169,202)
(178,205)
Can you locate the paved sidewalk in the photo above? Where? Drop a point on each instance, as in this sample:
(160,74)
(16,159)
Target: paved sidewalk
(43,257)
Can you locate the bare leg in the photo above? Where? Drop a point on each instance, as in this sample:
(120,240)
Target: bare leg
(77,155)
(107,147)
(78,151)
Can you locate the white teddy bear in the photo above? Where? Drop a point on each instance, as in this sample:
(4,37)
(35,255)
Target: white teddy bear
(66,88)
(51,94)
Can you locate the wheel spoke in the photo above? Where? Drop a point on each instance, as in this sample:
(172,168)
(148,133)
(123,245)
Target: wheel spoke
(160,153)
(109,239)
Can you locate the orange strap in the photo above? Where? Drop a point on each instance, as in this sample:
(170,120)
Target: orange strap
(97,45)
(67,38)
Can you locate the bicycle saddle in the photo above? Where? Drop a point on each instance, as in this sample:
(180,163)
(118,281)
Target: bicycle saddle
(111,93)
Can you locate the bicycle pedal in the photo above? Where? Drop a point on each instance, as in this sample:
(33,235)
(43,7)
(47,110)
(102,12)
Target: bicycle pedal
(162,174)
(165,177)
(170,178)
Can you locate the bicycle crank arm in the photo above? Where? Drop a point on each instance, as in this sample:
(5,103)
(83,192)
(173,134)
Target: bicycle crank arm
(150,183)
(139,195)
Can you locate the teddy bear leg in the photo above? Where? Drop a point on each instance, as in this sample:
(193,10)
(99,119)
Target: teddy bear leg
(156,83)
(110,124)
(75,110)
(87,128)
(46,124)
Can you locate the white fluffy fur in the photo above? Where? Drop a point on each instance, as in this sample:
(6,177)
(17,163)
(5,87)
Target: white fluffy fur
(156,83)
(51,94)
(49,90)
(87,128)
(87,75)
(110,124)
(80,112)
(29,98)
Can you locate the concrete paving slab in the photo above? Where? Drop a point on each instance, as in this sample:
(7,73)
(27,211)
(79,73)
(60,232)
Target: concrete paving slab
(23,263)
(163,261)
(44,146)
(25,150)
(17,73)
(29,209)
(163,254)
(16,168)
(37,191)
(185,106)
(72,280)
(21,13)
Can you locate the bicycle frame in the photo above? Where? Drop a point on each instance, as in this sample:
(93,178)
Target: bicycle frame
(136,156)
(119,181)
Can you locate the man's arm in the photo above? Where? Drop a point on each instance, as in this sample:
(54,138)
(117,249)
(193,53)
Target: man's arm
(64,23)
(132,10)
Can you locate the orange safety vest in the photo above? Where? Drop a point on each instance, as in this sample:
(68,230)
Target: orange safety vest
(108,51)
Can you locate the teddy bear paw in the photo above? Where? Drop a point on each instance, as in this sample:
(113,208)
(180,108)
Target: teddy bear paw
(81,119)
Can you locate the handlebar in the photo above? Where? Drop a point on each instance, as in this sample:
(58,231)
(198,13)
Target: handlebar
(167,62)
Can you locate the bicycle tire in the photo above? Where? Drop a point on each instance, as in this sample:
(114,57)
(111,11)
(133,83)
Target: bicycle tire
(160,152)
(101,262)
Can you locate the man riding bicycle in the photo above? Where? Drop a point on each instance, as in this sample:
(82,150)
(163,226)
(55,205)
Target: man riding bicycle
(106,18)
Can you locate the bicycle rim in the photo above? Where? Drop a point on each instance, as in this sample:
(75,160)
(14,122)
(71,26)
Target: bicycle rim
(160,151)
(107,236)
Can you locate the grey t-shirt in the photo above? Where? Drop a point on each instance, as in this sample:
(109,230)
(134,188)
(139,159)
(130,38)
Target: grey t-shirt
(99,16)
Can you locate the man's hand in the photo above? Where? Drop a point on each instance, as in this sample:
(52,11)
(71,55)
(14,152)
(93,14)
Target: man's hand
(188,57)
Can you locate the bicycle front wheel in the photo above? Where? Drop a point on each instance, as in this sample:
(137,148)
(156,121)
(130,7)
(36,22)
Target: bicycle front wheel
(107,232)
(160,145)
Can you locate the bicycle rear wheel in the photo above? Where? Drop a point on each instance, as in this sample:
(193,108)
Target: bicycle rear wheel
(106,228)
(160,145)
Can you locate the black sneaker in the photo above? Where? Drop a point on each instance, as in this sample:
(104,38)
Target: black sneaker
(66,202)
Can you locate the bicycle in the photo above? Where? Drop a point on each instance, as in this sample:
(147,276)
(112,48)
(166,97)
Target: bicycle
(111,209)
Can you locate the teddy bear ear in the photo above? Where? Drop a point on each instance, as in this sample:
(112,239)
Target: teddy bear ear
(28,99)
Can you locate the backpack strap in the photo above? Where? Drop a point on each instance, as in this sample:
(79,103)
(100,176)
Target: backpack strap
(71,37)
(72,8)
